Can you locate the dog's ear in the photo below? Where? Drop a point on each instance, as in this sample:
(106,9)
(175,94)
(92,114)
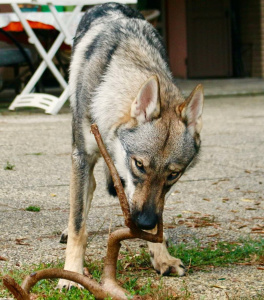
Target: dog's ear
(190,111)
(146,106)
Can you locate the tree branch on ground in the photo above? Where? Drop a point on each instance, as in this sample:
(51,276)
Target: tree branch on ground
(108,286)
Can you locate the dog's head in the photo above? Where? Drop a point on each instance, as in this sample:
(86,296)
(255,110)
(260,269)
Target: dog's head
(155,148)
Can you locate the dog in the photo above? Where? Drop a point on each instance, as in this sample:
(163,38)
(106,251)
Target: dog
(120,80)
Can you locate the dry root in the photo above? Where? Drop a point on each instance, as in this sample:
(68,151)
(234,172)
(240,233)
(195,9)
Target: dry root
(109,286)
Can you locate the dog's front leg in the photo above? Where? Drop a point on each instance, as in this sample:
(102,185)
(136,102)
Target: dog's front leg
(162,261)
(81,194)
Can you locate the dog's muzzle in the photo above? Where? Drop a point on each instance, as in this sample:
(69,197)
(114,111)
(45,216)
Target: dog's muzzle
(145,220)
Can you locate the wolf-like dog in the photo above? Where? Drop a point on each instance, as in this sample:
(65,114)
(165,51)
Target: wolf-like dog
(120,80)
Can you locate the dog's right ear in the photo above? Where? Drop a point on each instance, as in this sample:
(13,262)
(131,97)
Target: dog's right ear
(146,106)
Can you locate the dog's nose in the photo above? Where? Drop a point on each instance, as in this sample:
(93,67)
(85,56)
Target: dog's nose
(146,221)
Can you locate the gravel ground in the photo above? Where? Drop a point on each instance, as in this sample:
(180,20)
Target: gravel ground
(226,186)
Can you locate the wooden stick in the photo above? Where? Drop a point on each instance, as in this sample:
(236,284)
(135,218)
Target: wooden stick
(88,283)
(109,286)
(116,179)
(18,292)
(122,196)
(133,231)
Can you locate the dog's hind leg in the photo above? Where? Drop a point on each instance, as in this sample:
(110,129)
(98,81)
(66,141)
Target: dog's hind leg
(81,194)
(162,261)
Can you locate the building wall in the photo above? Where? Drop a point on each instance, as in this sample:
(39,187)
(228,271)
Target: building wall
(251,22)
(262,36)
(177,37)
(251,16)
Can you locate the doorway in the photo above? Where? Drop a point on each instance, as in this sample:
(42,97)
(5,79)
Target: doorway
(209,43)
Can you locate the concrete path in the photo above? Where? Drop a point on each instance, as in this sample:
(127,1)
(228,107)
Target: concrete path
(227,186)
(224,87)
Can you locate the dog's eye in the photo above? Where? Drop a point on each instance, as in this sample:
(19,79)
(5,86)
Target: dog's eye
(173,175)
(140,166)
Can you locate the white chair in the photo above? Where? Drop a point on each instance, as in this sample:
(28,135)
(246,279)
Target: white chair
(49,103)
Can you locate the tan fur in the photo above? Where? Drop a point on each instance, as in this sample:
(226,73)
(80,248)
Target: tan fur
(76,243)
(161,260)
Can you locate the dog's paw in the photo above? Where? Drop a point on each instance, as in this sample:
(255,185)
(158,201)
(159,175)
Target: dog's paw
(64,236)
(163,262)
(169,266)
(67,284)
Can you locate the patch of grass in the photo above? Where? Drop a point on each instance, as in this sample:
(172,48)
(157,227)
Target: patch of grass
(220,253)
(9,166)
(35,153)
(44,289)
(33,208)
(128,273)
(133,269)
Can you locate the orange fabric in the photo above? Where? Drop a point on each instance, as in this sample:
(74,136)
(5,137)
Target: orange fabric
(17,26)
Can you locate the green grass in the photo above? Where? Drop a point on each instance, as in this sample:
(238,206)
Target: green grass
(219,254)
(131,267)
(33,208)
(9,166)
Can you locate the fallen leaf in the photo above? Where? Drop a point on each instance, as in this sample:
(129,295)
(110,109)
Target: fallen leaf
(206,199)
(175,192)
(126,265)
(247,200)
(220,180)
(21,242)
(3,258)
(219,286)
(260,268)
(257,228)
(53,195)
(167,226)
(250,208)
(242,226)
(86,272)
(203,221)
(213,235)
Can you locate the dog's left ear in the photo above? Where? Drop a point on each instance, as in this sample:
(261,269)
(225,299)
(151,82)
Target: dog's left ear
(190,111)
(146,106)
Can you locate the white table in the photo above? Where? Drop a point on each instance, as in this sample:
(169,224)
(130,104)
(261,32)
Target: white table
(66,23)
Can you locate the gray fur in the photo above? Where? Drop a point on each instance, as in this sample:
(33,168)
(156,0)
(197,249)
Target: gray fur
(120,80)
